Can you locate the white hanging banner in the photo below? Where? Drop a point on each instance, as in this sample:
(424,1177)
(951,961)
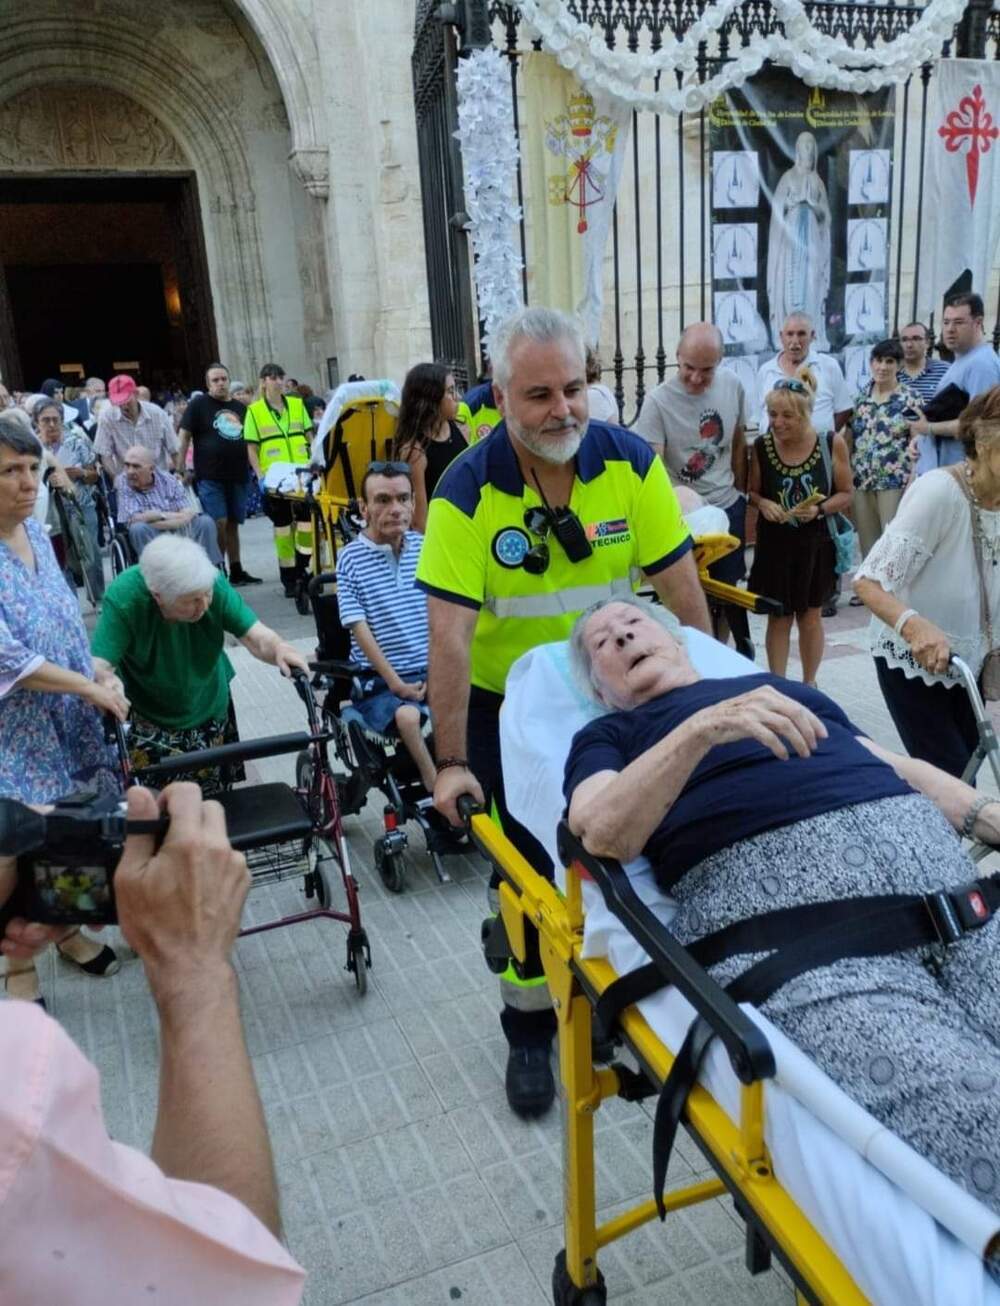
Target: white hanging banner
(574,151)
(963,176)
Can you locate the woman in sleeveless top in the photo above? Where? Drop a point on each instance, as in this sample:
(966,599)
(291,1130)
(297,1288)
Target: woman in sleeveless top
(427,435)
(794,557)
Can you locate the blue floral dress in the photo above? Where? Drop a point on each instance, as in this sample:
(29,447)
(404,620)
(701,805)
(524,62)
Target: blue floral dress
(51,745)
(882,437)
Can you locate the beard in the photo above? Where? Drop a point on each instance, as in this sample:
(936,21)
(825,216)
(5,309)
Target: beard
(551,448)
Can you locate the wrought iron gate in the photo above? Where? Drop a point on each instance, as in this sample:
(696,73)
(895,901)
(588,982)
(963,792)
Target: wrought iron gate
(449,280)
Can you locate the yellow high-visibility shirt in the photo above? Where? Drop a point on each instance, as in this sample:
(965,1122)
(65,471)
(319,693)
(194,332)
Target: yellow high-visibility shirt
(477,539)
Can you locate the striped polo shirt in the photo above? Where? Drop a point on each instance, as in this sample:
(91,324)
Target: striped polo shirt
(377,587)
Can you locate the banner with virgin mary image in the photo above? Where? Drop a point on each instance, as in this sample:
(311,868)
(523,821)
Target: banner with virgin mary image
(801,189)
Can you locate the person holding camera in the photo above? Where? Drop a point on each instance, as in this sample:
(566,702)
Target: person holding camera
(51,697)
(199,1219)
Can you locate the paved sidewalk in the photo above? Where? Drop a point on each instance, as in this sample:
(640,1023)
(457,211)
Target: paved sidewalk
(405,1179)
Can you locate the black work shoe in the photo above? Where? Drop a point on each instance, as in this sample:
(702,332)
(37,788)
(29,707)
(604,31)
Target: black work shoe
(237,576)
(531,1088)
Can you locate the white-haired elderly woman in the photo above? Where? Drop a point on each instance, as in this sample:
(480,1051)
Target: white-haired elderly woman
(162,629)
(756,793)
(51,696)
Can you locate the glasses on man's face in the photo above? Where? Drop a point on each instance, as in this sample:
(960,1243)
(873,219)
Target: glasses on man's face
(796,387)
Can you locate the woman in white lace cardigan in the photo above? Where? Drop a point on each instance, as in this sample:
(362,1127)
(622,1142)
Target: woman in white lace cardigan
(921,583)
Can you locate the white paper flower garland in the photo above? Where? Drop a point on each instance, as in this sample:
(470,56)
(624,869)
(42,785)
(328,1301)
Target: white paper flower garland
(489,161)
(815,57)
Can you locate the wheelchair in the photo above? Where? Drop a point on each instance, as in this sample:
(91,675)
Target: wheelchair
(284,831)
(112,536)
(373,761)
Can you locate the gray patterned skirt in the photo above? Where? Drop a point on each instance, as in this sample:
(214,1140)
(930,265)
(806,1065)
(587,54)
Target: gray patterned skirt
(917,1047)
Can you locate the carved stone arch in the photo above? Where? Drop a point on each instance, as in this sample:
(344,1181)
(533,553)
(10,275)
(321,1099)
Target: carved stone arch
(42,51)
(290,45)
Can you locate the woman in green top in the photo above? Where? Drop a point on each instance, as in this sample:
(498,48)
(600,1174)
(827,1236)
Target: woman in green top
(162,629)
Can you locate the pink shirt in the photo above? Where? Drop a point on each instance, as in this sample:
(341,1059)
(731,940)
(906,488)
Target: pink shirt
(89,1221)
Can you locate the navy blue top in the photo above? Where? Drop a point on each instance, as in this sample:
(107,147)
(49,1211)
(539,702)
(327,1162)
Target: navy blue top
(737,790)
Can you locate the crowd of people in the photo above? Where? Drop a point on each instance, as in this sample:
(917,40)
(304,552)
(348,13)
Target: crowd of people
(488,528)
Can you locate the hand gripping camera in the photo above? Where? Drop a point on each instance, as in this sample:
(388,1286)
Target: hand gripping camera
(66,858)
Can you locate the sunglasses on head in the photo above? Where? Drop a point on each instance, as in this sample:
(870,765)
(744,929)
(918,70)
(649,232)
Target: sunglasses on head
(380,468)
(796,387)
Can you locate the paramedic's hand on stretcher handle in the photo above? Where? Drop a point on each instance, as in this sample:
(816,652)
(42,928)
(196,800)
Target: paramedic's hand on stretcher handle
(179,907)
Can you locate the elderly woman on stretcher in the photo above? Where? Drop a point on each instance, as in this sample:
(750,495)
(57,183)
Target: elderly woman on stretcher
(755,794)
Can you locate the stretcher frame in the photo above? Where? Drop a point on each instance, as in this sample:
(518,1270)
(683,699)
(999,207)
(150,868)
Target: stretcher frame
(545,925)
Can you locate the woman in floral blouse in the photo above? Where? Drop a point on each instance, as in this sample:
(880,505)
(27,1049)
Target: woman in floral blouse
(880,443)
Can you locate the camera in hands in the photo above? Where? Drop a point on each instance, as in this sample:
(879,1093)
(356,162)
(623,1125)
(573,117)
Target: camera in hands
(66,858)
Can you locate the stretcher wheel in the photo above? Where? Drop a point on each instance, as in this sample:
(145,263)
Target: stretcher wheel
(566,1293)
(358,961)
(389,865)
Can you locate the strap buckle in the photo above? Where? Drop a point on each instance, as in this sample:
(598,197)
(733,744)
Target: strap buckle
(954,912)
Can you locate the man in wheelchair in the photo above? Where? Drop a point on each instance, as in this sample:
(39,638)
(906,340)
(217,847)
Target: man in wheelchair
(768,815)
(386,614)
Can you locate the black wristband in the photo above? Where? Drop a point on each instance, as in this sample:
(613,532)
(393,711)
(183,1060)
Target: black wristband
(445,762)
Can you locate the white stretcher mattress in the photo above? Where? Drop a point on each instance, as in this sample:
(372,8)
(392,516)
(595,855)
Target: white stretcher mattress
(906,1233)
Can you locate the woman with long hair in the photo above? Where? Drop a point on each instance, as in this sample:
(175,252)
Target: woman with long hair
(427,434)
(791,489)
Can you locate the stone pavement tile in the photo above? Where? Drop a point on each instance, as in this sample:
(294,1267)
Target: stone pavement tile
(412,1233)
(496,1278)
(469,1073)
(438,1026)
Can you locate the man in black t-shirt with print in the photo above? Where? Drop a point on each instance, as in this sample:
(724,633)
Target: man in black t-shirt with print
(214,422)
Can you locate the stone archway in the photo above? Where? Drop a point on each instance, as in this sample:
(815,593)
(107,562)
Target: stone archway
(197,112)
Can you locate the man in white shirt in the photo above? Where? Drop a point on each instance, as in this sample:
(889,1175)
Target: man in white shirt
(832,405)
(695,420)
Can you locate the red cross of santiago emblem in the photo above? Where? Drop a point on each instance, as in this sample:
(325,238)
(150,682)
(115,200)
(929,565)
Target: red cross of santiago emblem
(970,123)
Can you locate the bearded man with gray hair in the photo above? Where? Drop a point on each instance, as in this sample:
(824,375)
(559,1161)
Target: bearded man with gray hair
(526,528)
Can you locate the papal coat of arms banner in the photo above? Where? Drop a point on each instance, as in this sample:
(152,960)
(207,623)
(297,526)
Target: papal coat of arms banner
(963,177)
(574,146)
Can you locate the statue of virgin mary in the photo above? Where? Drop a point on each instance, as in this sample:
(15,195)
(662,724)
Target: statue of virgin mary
(798,250)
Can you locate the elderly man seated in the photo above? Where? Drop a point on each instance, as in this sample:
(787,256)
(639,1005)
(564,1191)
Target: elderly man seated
(386,613)
(151,501)
(754,794)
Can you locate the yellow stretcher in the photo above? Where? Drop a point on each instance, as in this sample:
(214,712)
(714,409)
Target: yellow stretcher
(709,549)
(544,925)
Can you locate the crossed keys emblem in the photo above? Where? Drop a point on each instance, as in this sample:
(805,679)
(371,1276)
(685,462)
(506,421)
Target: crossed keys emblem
(972,123)
(582,138)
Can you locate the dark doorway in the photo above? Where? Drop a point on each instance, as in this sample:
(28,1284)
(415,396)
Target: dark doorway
(103,271)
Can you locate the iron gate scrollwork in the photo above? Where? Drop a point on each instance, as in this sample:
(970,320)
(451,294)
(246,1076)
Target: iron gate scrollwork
(449,280)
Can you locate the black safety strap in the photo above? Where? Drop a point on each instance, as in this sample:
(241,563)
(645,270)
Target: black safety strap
(877,927)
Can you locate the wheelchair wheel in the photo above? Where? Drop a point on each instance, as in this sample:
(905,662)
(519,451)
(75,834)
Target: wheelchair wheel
(302,605)
(119,557)
(312,797)
(390,866)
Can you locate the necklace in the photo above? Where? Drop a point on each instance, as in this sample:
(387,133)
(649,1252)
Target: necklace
(970,482)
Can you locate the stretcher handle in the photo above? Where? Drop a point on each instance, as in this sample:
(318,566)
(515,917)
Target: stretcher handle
(749,1051)
(468,808)
(242,751)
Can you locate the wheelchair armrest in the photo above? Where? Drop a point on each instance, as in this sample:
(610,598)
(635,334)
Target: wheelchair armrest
(749,1051)
(340,670)
(242,751)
